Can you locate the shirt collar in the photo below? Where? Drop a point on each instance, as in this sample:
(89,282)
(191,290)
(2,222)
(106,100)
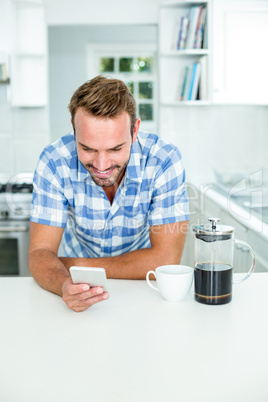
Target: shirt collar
(133,171)
(82,173)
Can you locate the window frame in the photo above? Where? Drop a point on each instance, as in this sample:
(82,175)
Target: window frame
(132,50)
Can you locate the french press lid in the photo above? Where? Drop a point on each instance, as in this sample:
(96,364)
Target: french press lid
(212,232)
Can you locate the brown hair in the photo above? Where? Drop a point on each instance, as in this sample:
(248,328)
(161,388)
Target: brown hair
(104,97)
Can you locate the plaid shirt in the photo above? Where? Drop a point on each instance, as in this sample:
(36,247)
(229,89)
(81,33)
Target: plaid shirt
(152,192)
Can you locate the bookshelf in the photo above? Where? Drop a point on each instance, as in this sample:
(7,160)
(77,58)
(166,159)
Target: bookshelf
(174,62)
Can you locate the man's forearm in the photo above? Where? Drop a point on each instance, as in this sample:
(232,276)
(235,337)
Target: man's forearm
(48,270)
(131,265)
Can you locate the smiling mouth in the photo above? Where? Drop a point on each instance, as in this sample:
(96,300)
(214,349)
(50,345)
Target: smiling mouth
(104,174)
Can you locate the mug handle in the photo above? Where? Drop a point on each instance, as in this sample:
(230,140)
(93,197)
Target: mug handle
(149,282)
(252,263)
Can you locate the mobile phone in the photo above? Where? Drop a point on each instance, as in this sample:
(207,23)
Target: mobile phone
(91,275)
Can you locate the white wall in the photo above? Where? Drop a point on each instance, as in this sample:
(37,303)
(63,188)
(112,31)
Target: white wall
(73,12)
(218,138)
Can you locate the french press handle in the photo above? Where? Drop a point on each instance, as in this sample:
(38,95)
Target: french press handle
(252,261)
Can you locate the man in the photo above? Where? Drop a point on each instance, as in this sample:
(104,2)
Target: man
(115,196)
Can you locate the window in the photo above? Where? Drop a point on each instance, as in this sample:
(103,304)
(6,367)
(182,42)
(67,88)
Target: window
(136,66)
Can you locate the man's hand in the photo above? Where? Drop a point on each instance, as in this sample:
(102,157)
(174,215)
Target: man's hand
(80,297)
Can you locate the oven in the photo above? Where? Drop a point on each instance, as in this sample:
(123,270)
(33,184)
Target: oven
(15,202)
(14,245)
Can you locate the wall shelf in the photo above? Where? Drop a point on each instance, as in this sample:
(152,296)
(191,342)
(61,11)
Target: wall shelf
(185,103)
(173,62)
(185,52)
(183,3)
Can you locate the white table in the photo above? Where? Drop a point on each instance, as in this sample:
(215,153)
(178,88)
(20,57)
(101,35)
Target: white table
(134,347)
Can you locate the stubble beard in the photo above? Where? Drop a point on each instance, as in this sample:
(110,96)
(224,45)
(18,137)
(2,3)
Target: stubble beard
(111,181)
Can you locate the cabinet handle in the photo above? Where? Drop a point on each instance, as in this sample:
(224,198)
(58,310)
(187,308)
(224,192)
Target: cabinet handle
(13,229)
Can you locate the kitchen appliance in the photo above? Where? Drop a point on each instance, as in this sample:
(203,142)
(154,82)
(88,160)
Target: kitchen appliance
(15,202)
(213,260)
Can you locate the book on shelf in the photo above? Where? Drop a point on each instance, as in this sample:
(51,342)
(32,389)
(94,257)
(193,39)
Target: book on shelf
(204,42)
(198,32)
(188,83)
(192,29)
(193,20)
(184,81)
(3,72)
(189,93)
(200,29)
(194,83)
(175,39)
(182,33)
(203,87)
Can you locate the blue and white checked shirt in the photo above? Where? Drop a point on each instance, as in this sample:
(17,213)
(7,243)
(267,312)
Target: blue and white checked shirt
(152,192)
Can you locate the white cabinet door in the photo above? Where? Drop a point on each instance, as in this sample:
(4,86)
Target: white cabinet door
(240,57)
(29,56)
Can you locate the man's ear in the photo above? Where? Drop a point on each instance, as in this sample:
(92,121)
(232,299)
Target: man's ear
(136,129)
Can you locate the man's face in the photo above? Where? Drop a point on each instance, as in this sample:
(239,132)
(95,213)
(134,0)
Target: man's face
(103,145)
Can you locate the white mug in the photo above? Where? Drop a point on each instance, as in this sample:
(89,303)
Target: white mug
(173,281)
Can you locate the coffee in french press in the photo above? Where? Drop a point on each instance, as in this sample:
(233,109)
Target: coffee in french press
(213,273)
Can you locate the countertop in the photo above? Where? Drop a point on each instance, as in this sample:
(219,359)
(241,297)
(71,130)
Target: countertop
(134,347)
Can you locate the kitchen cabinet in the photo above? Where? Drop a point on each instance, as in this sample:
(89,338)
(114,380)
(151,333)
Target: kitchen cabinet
(29,55)
(260,248)
(240,31)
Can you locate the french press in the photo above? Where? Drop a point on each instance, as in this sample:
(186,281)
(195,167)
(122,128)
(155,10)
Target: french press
(213,260)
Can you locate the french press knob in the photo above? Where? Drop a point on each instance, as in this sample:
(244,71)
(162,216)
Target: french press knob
(213,222)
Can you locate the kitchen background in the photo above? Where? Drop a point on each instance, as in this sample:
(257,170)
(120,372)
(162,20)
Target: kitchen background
(51,47)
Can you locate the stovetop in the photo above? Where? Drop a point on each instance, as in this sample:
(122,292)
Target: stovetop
(15,197)
(16,188)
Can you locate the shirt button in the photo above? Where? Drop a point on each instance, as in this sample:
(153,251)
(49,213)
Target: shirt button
(106,243)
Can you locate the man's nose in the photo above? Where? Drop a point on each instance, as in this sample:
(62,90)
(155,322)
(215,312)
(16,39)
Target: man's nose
(102,162)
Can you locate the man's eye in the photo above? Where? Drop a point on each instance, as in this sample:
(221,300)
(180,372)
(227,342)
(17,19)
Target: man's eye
(117,149)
